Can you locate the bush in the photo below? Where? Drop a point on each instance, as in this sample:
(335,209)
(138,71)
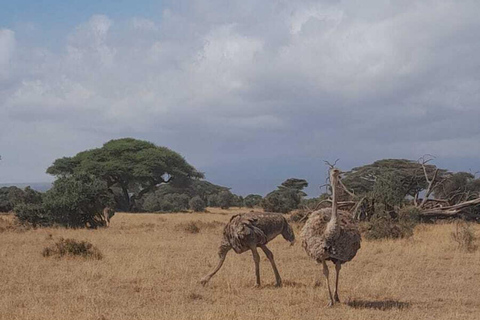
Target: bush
(213,200)
(197,204)
(76,201)
(173,202)
(464,236)
(72,247)
(33,214)
(237,201)
(383,226)
(73,201)
(253,200)
(409,214)
(287,197)
(279,201)
(225,199)
(189,227)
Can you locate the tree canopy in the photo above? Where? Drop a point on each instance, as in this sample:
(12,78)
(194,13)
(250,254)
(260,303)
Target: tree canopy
(287,196)
(457,187)
(134,166)
(407,175)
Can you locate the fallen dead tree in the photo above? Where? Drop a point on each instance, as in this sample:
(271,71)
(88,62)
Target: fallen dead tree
(451,210)
(391,197)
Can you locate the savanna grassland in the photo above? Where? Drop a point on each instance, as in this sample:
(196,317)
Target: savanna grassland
(152,264)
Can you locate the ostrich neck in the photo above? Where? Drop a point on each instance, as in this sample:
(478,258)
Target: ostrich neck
(334,218)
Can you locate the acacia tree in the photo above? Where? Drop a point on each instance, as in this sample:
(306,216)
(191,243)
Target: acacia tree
(287,196)
(411,177)
(134,166)
(458,187)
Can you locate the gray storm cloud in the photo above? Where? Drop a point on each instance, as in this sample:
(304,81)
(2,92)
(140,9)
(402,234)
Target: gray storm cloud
(243,88)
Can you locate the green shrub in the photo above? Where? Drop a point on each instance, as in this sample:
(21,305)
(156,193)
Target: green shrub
(213,200)
(409,214)
(151,203)
(172,202)
(280,201)
(225,199)
(197,204)
(33,214)
(253,200)
(237,201)
(73,201)
(383,226)
(287,197)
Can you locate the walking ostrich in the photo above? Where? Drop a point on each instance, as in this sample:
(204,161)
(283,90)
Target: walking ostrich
(330,234)
(248,231)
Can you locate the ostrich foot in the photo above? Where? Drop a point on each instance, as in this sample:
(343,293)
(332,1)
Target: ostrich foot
(204,281)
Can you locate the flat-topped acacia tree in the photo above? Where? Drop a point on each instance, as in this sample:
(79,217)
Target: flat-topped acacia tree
(134,166)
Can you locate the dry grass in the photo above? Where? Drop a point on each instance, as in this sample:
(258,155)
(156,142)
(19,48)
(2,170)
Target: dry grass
(464,236)
(151,271)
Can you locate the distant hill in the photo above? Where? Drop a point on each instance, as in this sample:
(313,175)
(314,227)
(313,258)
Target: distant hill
(39,186)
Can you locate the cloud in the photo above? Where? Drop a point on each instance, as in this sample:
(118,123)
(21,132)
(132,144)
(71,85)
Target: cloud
(143,24)
(7,47)
(238,83)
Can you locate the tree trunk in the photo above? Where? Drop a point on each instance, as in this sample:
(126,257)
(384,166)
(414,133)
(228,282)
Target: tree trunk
(126,197)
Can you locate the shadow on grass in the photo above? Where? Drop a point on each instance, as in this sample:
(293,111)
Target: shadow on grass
(379,305)
(285,283)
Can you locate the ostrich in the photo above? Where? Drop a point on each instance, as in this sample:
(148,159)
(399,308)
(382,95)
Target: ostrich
(332,235)
(107,214)
(102,219)
(248,231)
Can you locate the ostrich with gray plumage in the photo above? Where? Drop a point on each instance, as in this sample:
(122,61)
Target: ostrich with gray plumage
(248,231)
(331,235)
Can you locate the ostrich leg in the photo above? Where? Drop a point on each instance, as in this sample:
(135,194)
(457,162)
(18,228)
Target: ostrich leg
(338,266)
(256,259)
(325,273)
(222,254)
(269,255)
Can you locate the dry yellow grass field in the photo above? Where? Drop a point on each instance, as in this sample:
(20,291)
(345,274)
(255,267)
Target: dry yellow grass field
(151,268)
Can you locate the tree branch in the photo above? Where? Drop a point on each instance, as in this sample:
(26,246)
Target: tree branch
(346,190)
(452,210)
(431,182)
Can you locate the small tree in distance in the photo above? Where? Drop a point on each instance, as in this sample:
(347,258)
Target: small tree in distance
(252,200)
(225,199)
(197,204)
(287,197)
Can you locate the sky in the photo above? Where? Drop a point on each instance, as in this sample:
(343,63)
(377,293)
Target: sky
(249,92)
